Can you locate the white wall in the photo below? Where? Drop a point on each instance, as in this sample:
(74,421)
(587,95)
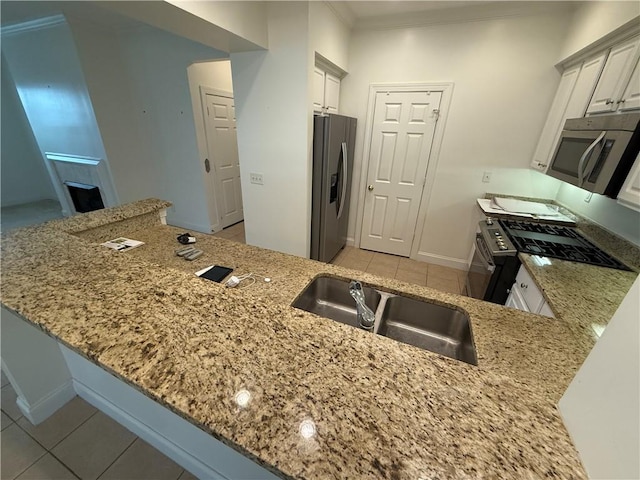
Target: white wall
(216,75)
(24,177)
(51,85)
(602,210)
(504,83)
(132,166)
(273,109)
(592,20)
(600,406)
(329,35)
(156,63)
(228,26)
(245,19)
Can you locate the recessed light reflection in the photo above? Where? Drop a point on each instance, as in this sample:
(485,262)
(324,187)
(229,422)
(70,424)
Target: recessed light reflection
(598,329)
(540,261)
(242,398)
(307,429)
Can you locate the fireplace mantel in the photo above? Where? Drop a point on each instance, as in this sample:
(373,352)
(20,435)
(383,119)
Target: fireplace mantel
(84,170)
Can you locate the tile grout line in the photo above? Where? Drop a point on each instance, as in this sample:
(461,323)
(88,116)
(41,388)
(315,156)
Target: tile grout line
(35,461)
(116,459)
(62,439)
(54,446)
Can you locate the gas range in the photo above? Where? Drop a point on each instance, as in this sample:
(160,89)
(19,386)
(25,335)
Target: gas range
(556,241)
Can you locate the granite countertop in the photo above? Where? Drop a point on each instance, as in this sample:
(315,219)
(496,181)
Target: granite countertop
(585,297)
(381,409)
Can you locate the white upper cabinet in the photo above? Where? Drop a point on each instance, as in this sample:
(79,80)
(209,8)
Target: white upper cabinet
(331,93)
(326,91)
(318,89)
(631,96)
(629,195)
(615,77)
(572,97)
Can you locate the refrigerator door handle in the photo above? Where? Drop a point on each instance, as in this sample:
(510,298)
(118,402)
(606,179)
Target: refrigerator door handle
(345,171)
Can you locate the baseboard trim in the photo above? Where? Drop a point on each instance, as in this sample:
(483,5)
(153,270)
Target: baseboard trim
(47,405)
(457,263)
(148,434)
(175,222)
(351,242)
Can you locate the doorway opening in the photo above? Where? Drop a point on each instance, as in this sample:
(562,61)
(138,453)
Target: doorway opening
(215,120)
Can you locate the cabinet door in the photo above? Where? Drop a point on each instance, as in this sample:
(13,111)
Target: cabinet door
(629,195)
(546,311)
(530,293)
(571,101)
(615,77)
(631,96)
(331,93)
(583,91)
(515,299)
(318,90)
(555,119)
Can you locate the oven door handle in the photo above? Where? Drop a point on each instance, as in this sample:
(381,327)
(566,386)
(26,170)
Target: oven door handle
(581,166)
(483,253)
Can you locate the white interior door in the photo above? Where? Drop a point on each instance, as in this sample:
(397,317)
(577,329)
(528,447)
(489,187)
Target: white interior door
(224,169)
(402,134)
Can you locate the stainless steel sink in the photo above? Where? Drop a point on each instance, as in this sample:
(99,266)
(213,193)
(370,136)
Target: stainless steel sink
(329,297)
(428,326)
(425,325)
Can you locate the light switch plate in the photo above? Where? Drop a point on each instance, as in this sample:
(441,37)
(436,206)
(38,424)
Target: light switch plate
(486,177)
(256,178)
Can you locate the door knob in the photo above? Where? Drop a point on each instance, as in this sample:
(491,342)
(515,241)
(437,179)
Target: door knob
(370,187)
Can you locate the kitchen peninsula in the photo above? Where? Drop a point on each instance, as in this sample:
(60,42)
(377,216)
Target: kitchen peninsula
(320,399)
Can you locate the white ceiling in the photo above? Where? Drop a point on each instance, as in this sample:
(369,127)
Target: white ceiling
(364,9)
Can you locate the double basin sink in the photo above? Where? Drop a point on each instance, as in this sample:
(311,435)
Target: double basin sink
(432,327)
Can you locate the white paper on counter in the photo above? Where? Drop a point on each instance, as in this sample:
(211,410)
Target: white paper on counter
(488,207)
(522,206)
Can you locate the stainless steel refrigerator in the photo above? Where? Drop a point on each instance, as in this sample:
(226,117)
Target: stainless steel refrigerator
(333,146)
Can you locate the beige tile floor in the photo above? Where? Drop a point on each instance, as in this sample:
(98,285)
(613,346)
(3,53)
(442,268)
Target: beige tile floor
(77,441)
(441,278)
(234,232)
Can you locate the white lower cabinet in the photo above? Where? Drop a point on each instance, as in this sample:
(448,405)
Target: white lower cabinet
(526,296)
(629,194)
(515,300)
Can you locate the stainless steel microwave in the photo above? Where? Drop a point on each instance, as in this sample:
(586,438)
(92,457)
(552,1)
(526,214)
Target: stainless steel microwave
(596,153)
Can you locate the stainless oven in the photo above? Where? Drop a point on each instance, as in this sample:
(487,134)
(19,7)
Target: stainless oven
(494,264)
(596,153)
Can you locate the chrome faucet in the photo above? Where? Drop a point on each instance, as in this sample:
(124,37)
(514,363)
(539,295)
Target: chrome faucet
(366,317)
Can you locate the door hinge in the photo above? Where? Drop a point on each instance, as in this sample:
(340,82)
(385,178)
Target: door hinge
(207,110)
(436,113)
(207,165)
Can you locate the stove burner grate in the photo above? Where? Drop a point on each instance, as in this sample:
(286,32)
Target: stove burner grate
(556,241)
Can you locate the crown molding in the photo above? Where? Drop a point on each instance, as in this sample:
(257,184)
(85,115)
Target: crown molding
(620,34)
(482,12)
(32,25)
(342,11)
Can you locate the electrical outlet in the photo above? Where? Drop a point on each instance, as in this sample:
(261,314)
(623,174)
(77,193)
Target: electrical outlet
(256,178)
(486,177)
(587,199)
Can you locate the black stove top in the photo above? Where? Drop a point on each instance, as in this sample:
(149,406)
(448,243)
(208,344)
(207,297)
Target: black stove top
(556,241)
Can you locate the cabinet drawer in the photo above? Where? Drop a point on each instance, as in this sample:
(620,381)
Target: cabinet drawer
(532,296)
